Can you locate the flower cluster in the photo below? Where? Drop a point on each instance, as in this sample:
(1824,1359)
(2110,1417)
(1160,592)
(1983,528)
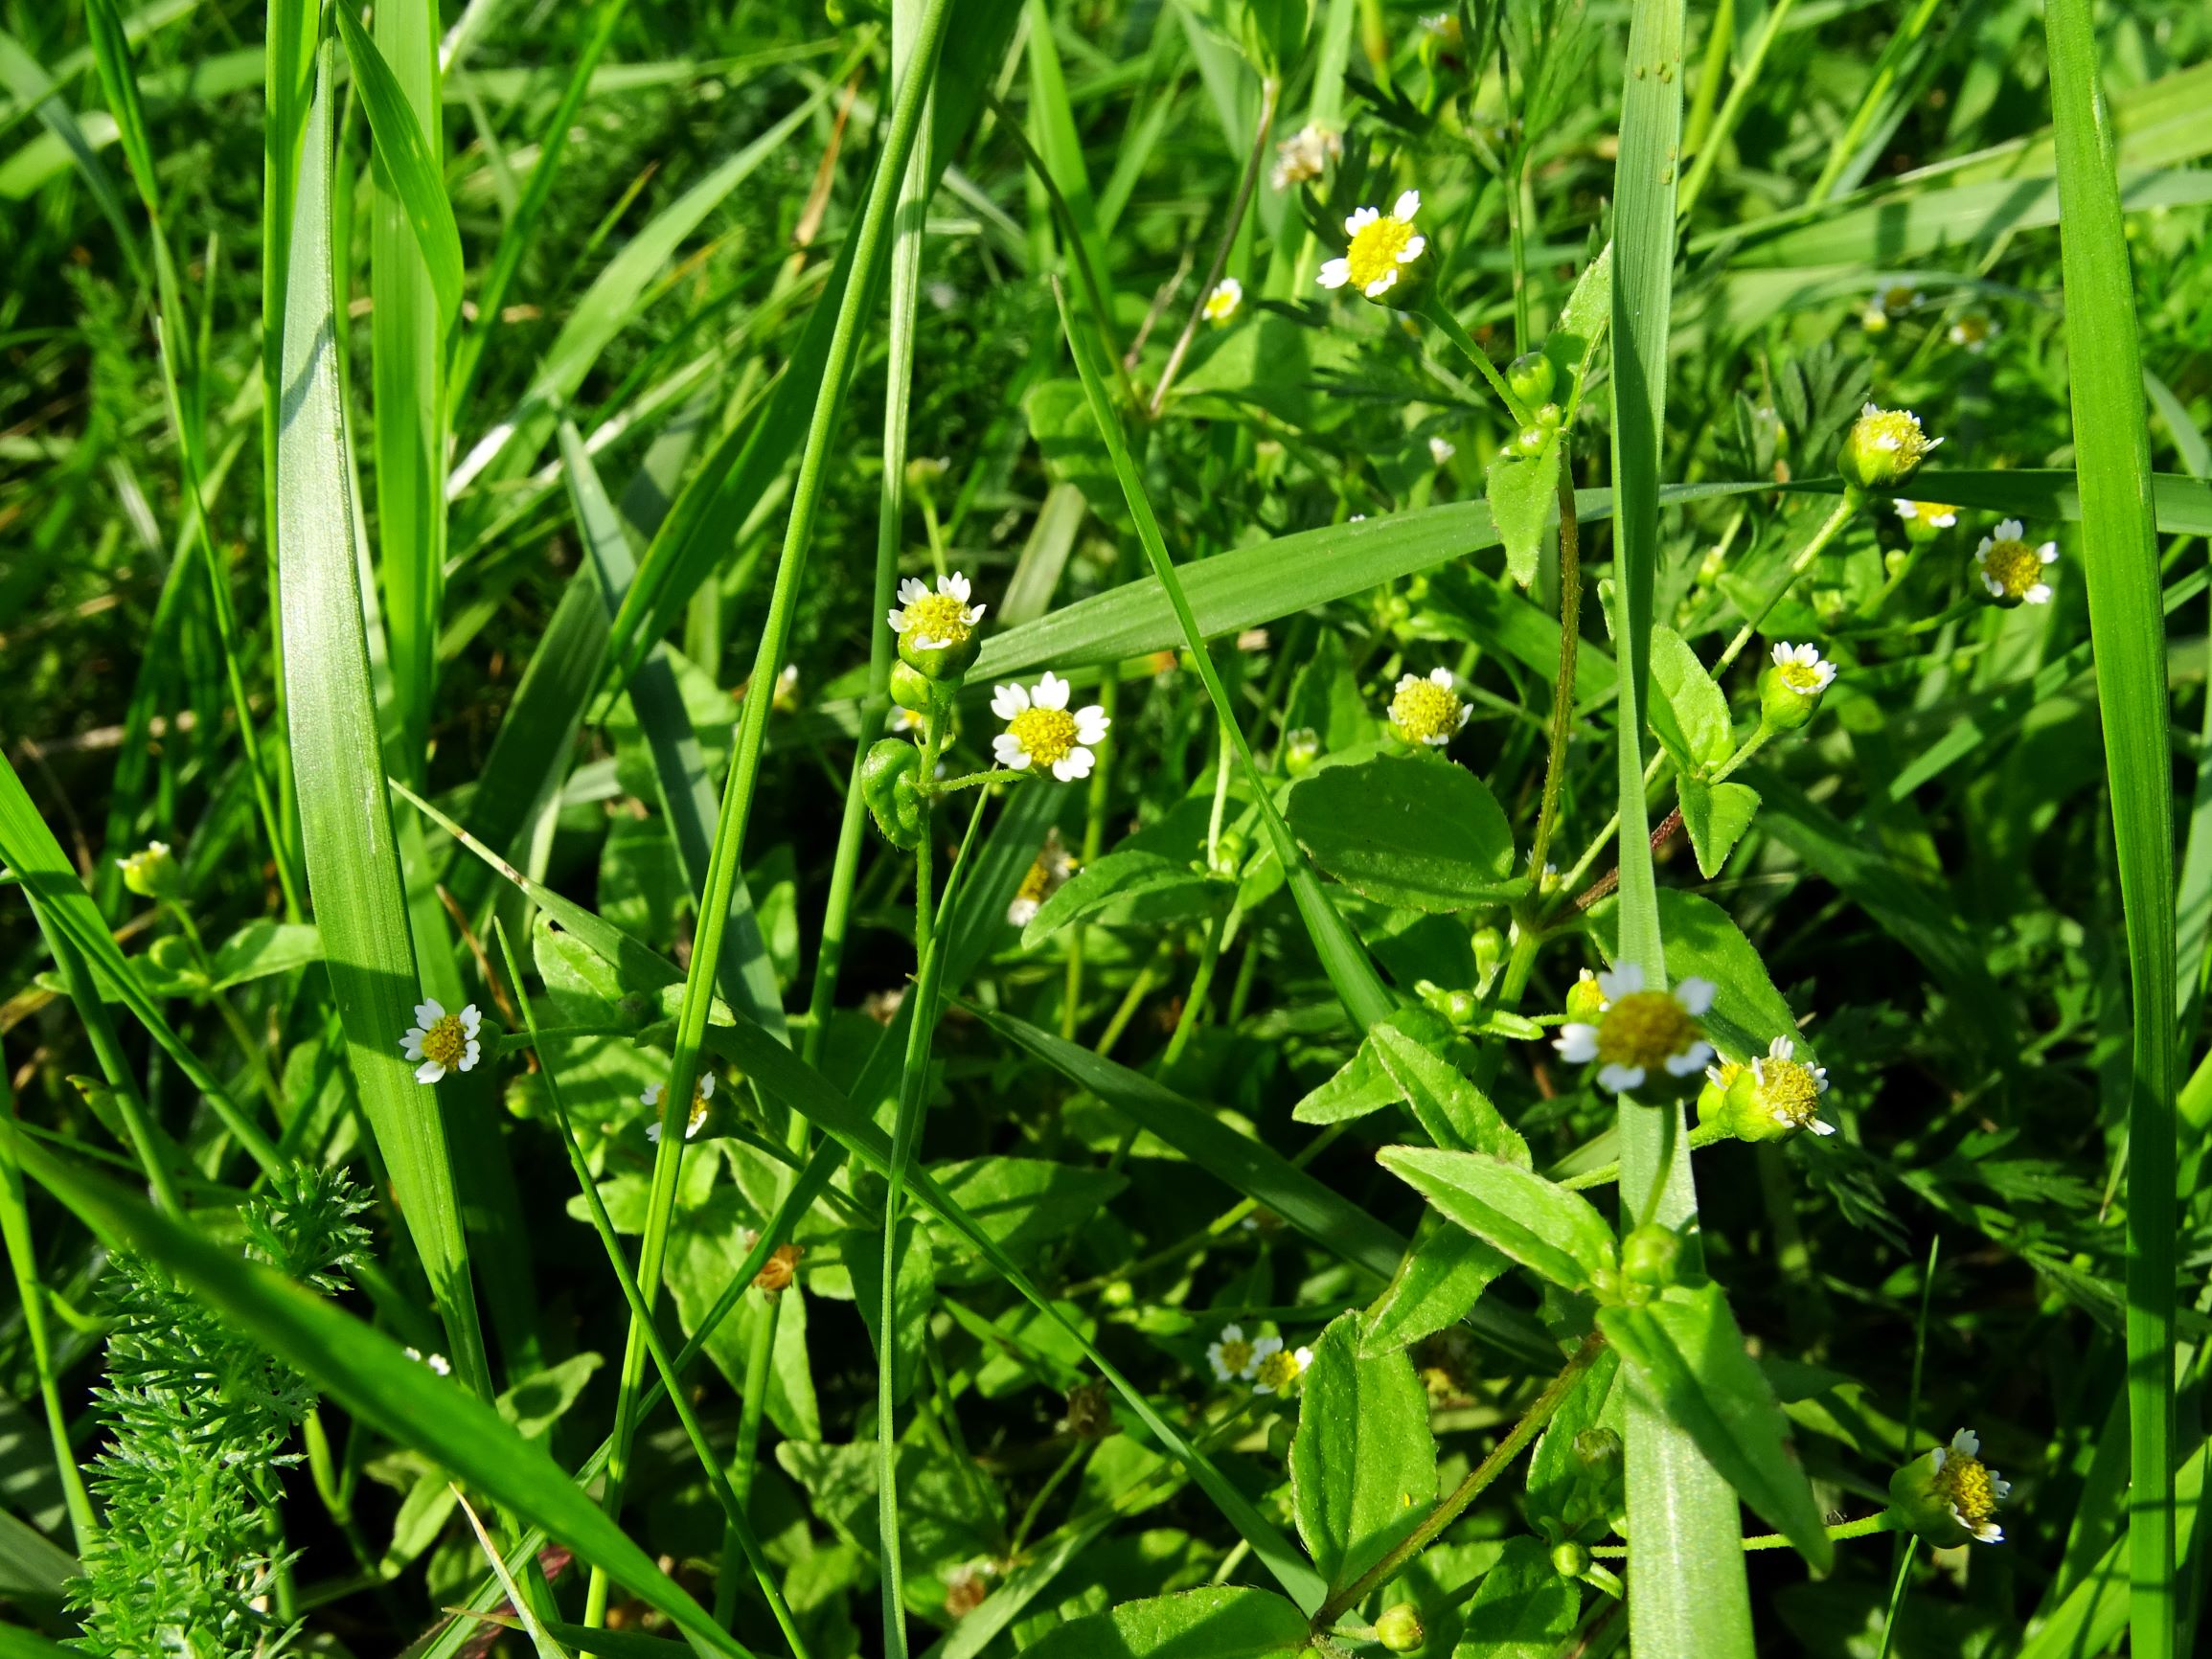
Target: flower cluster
(1262,1361)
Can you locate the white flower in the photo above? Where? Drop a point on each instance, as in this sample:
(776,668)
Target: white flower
(1441,449)
(1640,1031)
(2010,569)
(1788,1089)
(438,1363)
(935,619)
(1304,155)
(702,1092)
(1041,731)
(1279,1369)
(1223,303)
(1804,669)
(1973,332)
(1970,1485)
(443,1043)
(1892,301)
(1428,711)
(1934,514)
(1233,1356)
(1380,243)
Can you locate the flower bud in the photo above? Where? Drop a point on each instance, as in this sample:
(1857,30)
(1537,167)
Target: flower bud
(1650,1256)
(1883,448)
(1459,1007)
(1229,854)
(1570,1559)
(1301,749)
(1586,1000)
(153,874)
(1531,377)
(1791,690)
(525,1096)
(1599,1452)
(1489,950)
(1398,1629)
(909,689)
(944,664)
(1529,440)
(1090,1413)
(890,783)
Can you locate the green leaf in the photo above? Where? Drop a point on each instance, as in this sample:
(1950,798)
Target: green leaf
(1455,1113)
(1553,1232)
(1523,494)
(1022,1204)
(407,164)
(1123,876)
(1523,1609)
(1690,713)
(1403,830)
(1364,1461)
(337,757)
(368,1374)
(1747,1012)
(1573,343)
(1716,815)
(261,948)
(1684,1350)
(1445,1273)
(1279,365)
(915,1298)
(1558,1490)
(1214,1623)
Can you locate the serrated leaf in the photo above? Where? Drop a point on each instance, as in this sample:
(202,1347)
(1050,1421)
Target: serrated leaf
(1523,495)
(1124,873)
(1685,1351)
(1444,1274)
(1454,1112)
(1690,714)
(1542,1225)
(1364,1461)
(1421,833)
(261,948)
(1213,1623)
(1581,331)
(1716,815)
(1523,1609)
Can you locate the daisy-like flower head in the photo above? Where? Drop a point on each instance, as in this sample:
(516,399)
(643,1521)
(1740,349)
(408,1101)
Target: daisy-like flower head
(1925,520)
(1443,27)
(1790,691)
(443,1042)
(1223,303)
(1970,1485)
(1638,1031)
(1382,245)
(1427,711)
(1883,447)
(1441,449)
(1971,333)
(1234,1355)
(1803,669)
(929,621)
(1893,300)
(1304,155)
(154,873)
(703,1094)
(2010,569)
(1775,1097)
(1041,731)
(1279,1369)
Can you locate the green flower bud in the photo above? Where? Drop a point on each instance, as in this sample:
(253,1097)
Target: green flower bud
(1529,440)
(890,783)
(1398,1629)
(1883,448)
(1531,377)
(1570,1559)
(1229,853)
(1791,690)
(909,689)
(525,1096)
(1459,1007)
(1949,1496)
(153,874)
(1599,1452)
(1551,417)
(944,664)
(1586,1001)
(1301,749)
(1650,1256)
(1490,949)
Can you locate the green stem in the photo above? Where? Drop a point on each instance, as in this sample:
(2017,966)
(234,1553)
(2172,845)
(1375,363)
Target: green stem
(1703,1135)
(1897,1593)
(1865,1526)
(1540,1412)
(1563,685)
(1798,566)
(1433,308)
(1262,130)
(1709,146)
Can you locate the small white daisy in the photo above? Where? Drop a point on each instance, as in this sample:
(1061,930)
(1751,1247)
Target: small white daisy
(1973,332)
(1304,155)
(1441,449)
(702,1092)
(1803,669)
(2010,569)
(1971,1487)
(1639,1030)
(1280,1369)
(1223,303)
(1041,731)
(1933,514)
(1233,1356)
(1427,710)
(443,1043)
(1382,242)
(935,619)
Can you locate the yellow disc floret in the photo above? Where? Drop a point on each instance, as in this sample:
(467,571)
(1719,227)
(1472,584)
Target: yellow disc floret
(1427,711)
(445,1042)
(1375,249)
(1966,1481)
(1236,1355)
(1645,1029)
(2013,565)
(1280,1371)
(938,615)
(1048,734)
(1789,1090)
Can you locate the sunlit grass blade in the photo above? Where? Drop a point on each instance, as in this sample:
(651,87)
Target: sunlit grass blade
(352,859)
(408,168)
(369,1375)
(2127,625)
(1688,1596)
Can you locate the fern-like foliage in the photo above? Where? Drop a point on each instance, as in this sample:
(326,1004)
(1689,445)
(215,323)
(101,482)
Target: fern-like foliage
(199,1422)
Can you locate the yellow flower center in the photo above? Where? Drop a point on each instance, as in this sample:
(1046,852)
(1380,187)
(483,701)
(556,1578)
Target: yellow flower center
(1896,430)
(1647,1029)
(445,1042)
(1046,735)
(1801,677)
(1790,1091)
(1236,1356)
(1929,511)
(1280,1370)
(1965,1483)
(1973,329)
(1425,712)
(1375,249)
(1727,1072)
(938,615)
(2013,565)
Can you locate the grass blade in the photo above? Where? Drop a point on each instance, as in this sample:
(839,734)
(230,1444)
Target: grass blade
(2127,626)
(346,817)
(408,168)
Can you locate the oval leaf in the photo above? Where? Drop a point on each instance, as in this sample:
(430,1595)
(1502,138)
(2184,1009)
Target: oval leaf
(1214,1623)
(1364,1461)
(1540,1224)
(1406,831)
